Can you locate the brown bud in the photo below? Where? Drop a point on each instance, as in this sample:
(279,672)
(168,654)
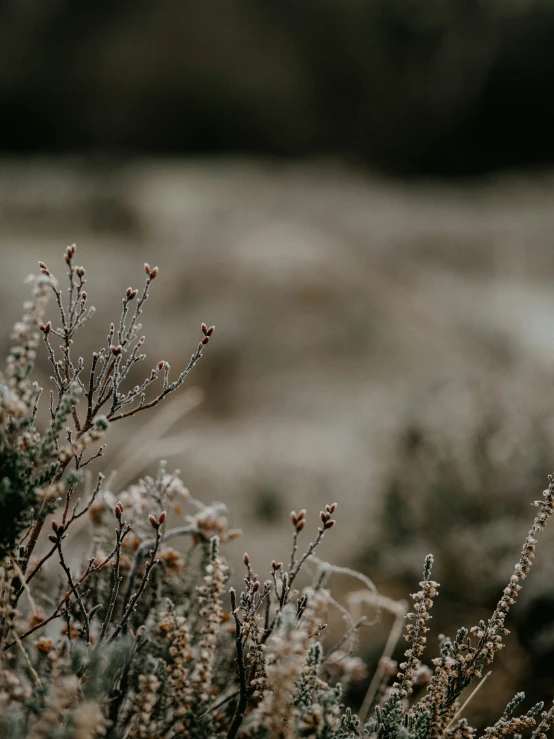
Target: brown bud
(246,559)
(161,517)
(276,565)
(84,296)
(116,350)
(154,521)
(80,271)
(118,511)
(53,539)
(210,330)
(147,268)
(293,518)
(300,525)
(205,339)
(204,329)
(329,524)
(55,525)
(44,646)
(153,273)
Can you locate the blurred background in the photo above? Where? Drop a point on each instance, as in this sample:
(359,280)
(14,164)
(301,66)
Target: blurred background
(359,196)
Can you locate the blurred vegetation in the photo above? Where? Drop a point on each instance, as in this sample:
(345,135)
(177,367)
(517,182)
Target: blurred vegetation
(462,489)
(411,86)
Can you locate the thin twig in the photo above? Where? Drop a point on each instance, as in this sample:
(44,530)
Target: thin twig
(243,698)
(470,697)
(135,597)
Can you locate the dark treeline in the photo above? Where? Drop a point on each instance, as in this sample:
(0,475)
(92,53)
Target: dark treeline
(446,87)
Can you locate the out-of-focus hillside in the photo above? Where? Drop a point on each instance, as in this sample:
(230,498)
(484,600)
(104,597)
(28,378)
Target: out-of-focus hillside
(435,86)
(385,345)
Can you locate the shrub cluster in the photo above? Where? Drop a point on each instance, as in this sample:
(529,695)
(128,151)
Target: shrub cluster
(106,630)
